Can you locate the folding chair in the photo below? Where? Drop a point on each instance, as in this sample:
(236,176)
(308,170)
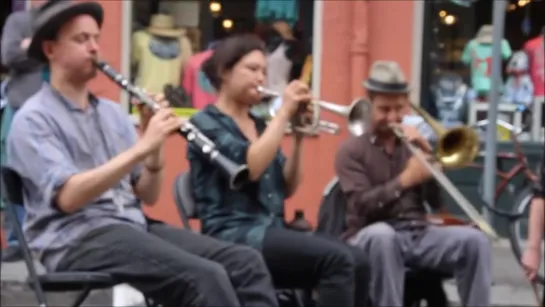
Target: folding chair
(187,211)
(83,282)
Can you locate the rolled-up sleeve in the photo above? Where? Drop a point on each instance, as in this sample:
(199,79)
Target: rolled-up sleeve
(38,154)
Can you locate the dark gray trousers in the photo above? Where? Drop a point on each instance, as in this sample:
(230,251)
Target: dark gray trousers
(463,251)
(176,267)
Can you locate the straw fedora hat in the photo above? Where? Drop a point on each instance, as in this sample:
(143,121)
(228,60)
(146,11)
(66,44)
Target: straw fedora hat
(484,36)
(163,25)
(386,77)
(51,16)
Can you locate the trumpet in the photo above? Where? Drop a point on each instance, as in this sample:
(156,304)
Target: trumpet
(238,174)
(456,148)
(353,113)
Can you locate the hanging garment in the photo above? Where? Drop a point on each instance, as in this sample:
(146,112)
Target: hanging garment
(519,88)
(479,57)
(195,82)
(279,68)
(272,10)
(160,60)
(536,57)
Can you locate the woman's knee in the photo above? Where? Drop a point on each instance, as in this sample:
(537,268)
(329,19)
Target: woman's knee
(339,259)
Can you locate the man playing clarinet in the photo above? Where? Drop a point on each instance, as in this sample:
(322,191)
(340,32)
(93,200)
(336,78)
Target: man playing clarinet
(86,175)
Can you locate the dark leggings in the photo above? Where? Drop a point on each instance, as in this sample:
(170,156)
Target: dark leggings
(306,261)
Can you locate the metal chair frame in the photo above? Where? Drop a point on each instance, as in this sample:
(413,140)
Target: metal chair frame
(84,282)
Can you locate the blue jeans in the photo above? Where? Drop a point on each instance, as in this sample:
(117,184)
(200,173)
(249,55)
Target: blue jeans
(9,225)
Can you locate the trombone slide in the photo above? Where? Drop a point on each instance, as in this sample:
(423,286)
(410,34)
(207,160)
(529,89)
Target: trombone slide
(449,187)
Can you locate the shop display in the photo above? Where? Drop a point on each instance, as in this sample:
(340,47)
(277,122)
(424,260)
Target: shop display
(159,53)
(534,49)
(518,88)
(195,82)
(452,97)
(478,55)
(284,55)
(273,10)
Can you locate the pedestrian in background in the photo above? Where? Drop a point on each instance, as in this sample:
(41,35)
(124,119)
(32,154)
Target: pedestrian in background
(25,79)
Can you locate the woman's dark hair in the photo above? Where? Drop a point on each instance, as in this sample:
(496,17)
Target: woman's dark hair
(227,53)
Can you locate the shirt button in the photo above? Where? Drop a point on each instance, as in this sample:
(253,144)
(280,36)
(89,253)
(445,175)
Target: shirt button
(266,176)
(397,194)
(380,205)
(269,196)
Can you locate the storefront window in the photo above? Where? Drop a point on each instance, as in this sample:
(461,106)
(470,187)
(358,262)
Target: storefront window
(171,39)
(457,56)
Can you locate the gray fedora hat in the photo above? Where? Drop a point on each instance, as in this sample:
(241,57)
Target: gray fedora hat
(386,77)
(50,18)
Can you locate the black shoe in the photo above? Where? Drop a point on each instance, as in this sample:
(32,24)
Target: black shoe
(12,254)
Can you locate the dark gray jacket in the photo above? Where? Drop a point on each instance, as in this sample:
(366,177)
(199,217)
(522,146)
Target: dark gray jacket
(25,74)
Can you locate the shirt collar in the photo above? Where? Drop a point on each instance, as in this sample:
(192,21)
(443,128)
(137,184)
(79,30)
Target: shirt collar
(93,100)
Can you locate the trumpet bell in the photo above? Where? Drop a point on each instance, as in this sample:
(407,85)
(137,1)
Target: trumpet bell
(457,147)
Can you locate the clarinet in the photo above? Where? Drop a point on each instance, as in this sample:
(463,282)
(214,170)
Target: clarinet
(238,174)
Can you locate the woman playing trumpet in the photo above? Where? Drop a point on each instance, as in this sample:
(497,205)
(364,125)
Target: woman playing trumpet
(255,215)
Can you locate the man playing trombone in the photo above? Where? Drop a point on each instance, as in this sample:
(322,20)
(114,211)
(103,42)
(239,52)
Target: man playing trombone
(385,187)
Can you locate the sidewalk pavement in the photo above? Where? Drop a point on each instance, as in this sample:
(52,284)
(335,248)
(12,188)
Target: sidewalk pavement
(510,287)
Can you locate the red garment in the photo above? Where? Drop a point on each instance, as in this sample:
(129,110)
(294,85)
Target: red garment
(536,57)
(196,84)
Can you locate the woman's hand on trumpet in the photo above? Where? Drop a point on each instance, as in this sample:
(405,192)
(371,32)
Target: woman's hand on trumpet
(296,94)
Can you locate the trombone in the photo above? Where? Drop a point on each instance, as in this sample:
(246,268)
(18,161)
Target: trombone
(354,113)
(456,148)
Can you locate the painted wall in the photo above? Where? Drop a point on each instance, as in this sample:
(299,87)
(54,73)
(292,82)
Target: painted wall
(355,33)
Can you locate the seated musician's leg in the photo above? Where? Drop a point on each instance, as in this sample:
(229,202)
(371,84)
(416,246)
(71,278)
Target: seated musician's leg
(160,270)
(386,264)
(466,252)
(302,260)
(244,265)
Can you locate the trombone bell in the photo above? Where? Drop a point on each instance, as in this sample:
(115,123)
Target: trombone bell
(456,147)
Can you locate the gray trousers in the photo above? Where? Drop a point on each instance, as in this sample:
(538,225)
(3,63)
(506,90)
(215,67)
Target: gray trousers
(176,267)
(462,251)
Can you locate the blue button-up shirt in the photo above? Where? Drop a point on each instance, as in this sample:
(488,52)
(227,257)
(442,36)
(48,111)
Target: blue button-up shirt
(51,140)
(237,216)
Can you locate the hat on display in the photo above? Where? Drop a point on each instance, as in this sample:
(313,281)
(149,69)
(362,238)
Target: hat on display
(163,25)
(386,77)
(52,16)
(484,36)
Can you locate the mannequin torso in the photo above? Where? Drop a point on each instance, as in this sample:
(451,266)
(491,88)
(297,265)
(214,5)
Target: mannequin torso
(478,56)
(159,59)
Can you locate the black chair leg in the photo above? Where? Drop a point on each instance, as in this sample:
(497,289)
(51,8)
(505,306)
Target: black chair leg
(81,297)
(150,302)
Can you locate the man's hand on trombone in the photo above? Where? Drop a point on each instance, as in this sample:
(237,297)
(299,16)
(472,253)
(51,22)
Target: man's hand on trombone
(416,172)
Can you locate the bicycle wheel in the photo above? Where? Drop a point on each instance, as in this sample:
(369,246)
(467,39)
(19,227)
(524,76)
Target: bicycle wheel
(518,228)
